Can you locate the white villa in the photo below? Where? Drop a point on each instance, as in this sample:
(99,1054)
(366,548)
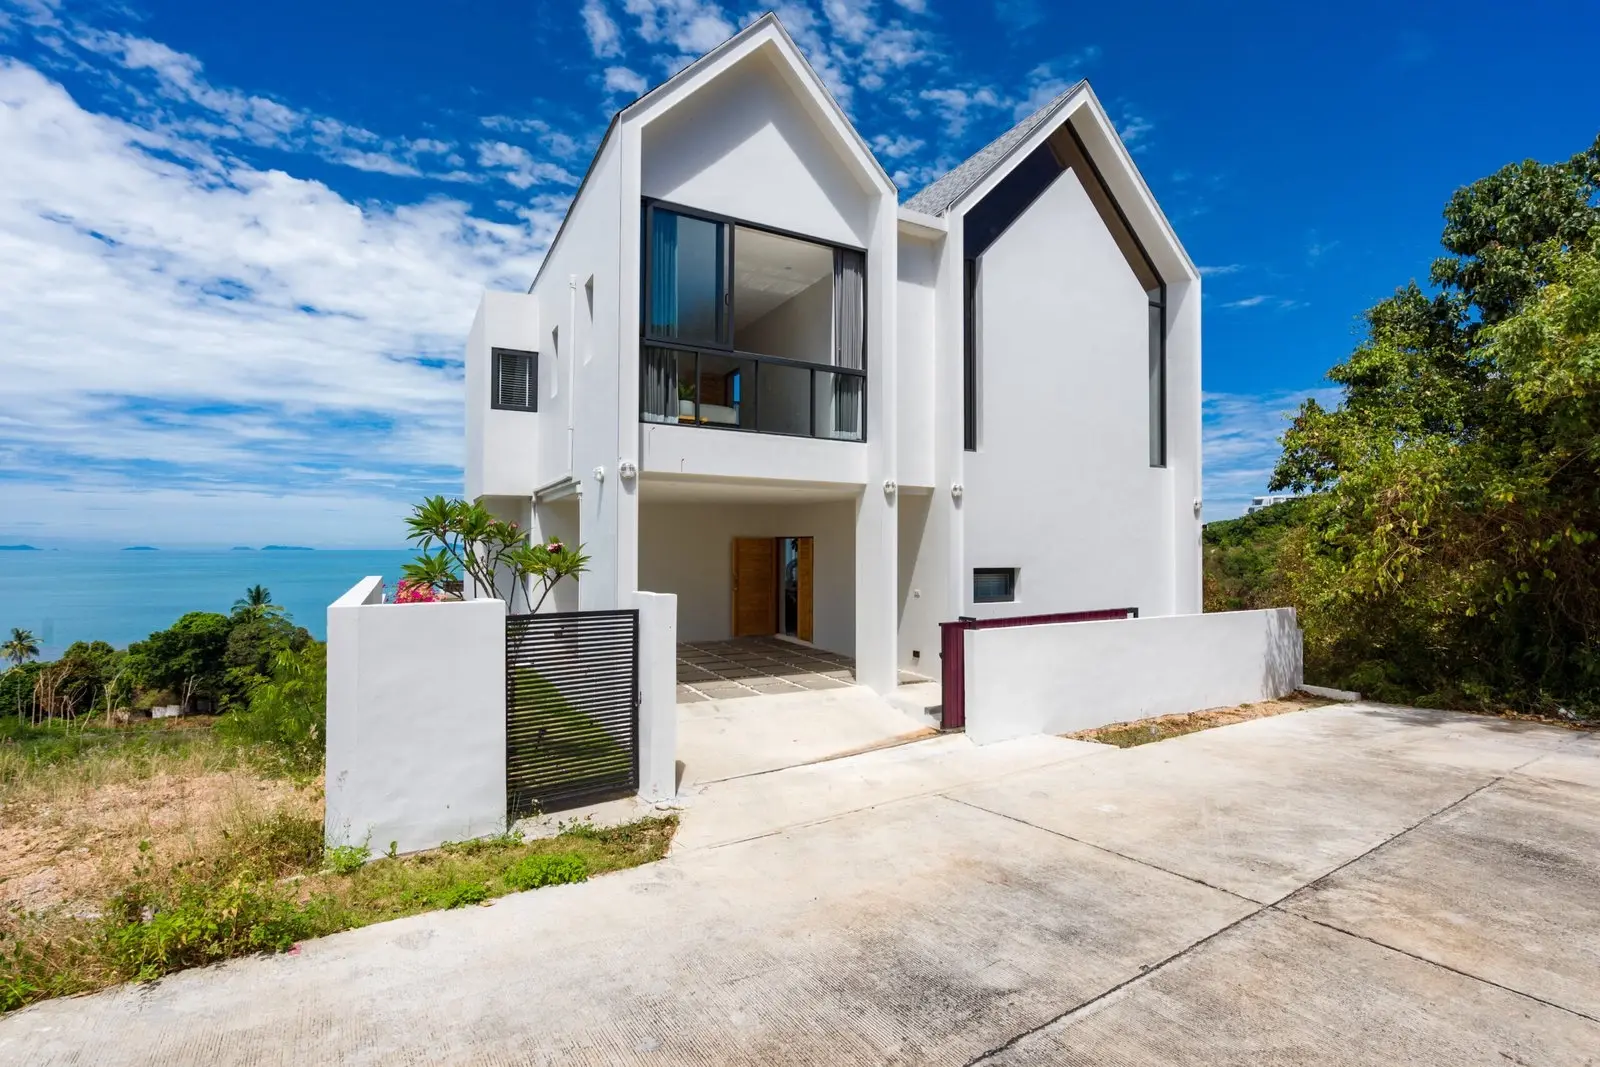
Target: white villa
(749,375)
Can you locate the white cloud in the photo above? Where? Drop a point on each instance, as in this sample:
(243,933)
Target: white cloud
(692,27)
(1240,434)
(623,80)
(209,328)
(895,147)
(519,167)
(1132,129)
(605,39)
(1225,268)
(1248,301)
(955,106)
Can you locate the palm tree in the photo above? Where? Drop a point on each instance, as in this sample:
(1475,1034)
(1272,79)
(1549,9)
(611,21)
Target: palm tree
(22,646)
(256,602)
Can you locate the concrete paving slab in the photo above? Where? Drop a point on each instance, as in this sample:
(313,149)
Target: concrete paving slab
(1258,808)
(842,946)
(1502,887)
(1578,762)
(1279,990)
(752,734)
(762,804)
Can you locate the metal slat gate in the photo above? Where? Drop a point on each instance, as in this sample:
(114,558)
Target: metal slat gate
(572,708)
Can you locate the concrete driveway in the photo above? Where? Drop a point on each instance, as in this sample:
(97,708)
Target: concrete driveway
(1350,885)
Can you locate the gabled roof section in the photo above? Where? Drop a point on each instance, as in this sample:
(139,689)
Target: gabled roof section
(767,24)
(936,198)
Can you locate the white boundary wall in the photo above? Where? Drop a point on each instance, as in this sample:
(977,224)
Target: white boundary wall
(658,695)
(416,720)
(1062,677)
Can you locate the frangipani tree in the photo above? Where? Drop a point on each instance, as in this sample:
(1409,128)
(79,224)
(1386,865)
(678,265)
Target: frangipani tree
(497,555)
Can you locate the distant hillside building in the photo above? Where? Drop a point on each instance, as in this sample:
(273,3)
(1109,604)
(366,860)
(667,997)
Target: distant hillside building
(1259,502)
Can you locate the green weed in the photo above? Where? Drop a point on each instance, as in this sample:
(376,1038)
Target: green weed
(533,872)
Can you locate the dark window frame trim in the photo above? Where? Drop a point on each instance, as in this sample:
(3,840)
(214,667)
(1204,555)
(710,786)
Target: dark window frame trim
(647,229)
(1011,585)
(494,379)
(758,359)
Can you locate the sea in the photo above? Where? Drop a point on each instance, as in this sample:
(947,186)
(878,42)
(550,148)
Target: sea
(120,596)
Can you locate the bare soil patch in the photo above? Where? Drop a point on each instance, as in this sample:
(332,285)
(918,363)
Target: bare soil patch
(1161,727)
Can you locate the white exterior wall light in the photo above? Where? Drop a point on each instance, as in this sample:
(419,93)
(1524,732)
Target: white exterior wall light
(599,474)
(889,487)
(627,471)
(956,490)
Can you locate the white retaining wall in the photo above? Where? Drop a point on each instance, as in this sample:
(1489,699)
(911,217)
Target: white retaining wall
(1063,677)
(416,720)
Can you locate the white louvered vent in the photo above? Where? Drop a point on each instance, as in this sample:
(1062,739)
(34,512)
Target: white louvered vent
(516,380)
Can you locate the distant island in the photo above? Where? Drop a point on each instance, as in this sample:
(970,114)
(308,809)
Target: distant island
(18,548)
(141,548)
(243,548)
(286,548)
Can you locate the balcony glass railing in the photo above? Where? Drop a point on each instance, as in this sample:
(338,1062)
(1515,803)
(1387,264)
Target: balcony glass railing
(757,394)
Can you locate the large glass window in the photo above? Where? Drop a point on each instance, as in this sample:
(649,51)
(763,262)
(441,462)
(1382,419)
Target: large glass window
(688,280)
(745,328)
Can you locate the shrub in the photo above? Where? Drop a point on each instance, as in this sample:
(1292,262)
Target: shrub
(460,895)
(532,872)
(287,714)
(199,923)
(346,859)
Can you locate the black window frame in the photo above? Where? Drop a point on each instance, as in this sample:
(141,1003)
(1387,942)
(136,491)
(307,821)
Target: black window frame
(1010,574)
(732,222)
(532,357)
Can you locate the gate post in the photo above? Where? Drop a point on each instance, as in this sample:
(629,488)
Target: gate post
(658,695)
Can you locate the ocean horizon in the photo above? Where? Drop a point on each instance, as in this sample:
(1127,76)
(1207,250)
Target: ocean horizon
(121,596)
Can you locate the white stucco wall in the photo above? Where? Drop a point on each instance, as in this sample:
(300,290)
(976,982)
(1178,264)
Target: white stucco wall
(416,721)
(502,453)
(915,373)
(658,695)
(686,549)
(1074,676)
(750,149)
(922,596)
(1061,485)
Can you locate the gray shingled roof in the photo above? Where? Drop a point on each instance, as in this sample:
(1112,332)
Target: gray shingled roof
(936,198)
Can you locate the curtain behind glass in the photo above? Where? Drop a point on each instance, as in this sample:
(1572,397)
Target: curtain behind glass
(663,274)
(688,279)
(658,392)
(850,347)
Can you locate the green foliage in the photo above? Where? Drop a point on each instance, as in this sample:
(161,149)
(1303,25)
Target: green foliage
(16,689)
(1242,569)
(346,859)
(20,647)
(492,842)
(187,659)
(201,922)
(460,895)
(534,872)
(1447,557)
(287,712)
(497,555)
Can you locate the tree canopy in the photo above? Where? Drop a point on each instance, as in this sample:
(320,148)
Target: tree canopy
(1447,550)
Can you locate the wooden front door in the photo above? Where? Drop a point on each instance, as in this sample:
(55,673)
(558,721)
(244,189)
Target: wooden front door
(804,554)
(755,586)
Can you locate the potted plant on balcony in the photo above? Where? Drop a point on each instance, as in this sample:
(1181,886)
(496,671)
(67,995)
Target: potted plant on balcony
(498,556)
(686,412)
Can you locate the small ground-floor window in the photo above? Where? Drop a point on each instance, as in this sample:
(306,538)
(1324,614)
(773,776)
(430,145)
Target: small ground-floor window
(994,585)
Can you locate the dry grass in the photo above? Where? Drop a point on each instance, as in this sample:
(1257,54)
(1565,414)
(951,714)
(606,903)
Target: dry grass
(73,817)
(1144,731)
(128,853)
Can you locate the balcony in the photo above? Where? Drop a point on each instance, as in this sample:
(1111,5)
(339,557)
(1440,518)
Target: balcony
(753,393)
(751,330)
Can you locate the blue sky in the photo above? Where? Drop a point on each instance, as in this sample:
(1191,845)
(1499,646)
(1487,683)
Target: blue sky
(240,245)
